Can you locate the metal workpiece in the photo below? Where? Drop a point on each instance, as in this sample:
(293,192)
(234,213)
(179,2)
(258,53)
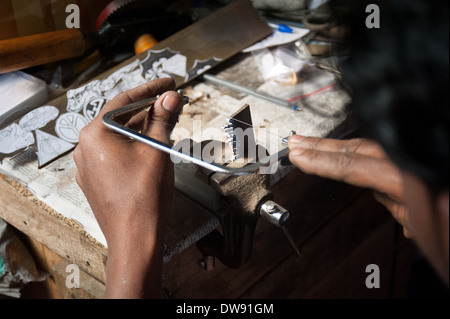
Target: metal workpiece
(246,90)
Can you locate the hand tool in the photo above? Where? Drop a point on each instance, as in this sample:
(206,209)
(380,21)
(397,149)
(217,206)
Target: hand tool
(240,88)
(111,120)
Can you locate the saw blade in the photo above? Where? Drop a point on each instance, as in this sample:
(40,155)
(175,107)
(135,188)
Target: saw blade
(112,8)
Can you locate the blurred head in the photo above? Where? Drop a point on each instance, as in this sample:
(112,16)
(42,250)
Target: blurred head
(398,76)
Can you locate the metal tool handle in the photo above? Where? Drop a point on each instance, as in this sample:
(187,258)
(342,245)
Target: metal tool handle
(110,122)
(247,90)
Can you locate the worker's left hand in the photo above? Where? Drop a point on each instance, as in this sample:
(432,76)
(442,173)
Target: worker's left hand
(359,162)
(129,186)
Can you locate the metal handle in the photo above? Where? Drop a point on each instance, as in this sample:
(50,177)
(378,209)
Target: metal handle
(134,108)
(277,215)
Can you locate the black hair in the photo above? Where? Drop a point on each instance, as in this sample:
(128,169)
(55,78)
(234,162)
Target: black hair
(398,77)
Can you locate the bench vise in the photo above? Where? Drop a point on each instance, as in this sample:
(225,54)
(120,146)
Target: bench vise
(237,201)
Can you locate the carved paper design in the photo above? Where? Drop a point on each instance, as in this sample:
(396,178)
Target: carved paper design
(78,97)
(38,118)
(14,138)
(69,125)
(49,147)
(201,67)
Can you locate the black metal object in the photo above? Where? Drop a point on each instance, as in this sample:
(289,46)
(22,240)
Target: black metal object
(234,246)
(120,31)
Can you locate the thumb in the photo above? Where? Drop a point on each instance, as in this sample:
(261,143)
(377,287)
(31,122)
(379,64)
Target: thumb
(163,116)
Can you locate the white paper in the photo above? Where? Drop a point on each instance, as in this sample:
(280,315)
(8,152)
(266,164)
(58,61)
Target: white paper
(17,87)
(14,138)
(278,38)
(316,3)
(55,186)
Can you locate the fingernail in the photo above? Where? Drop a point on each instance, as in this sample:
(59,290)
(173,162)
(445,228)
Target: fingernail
(172,103)
(297,152)
(296,139)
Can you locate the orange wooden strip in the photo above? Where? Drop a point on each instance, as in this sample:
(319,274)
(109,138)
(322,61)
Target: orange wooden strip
(29,16)
(49,23)
(8,27)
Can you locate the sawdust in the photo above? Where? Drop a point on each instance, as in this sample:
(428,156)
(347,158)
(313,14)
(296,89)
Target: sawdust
(22,190)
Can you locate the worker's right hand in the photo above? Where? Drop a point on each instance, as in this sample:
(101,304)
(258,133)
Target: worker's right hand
(359,162)
(129,186)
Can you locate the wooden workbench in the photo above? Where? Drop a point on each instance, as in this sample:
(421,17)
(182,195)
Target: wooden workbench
(339,229)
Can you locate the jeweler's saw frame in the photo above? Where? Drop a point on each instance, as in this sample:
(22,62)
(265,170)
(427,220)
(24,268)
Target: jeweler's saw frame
(110,121)
(235,211)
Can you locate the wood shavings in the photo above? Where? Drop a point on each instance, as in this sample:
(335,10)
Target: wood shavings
(23,191)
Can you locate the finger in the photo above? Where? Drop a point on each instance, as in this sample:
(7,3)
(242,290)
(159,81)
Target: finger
(407,233)
(163,116)
(357,145)
(76,154)
(77,157)
(144,91)
(398,211)
(78,179)
(358,170)
(137,122)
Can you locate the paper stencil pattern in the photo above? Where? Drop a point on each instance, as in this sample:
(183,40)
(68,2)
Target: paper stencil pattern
(53,133)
